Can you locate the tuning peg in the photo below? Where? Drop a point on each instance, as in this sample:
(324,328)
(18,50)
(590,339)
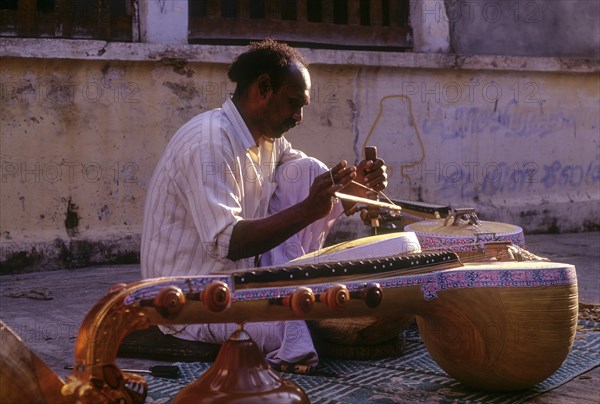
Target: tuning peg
(216,296)
(371,293)
(336,297)
(301,301)
(169,302)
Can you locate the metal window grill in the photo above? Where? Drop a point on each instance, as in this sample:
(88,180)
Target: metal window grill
(329,24)
(76,19)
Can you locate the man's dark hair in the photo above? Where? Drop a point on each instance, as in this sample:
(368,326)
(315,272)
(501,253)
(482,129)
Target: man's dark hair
(268,56)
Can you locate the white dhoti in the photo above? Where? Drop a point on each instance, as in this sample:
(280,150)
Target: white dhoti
(291,189)
(282,342)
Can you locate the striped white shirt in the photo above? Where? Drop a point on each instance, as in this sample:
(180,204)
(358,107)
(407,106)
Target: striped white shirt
(211,175)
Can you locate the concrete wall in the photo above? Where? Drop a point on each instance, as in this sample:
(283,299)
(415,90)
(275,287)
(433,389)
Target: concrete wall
(516,138)
(567,28)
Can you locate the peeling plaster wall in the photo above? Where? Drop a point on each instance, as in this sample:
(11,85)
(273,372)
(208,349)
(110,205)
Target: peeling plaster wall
(520,147)
(565,28)
(79,142)
(80,138)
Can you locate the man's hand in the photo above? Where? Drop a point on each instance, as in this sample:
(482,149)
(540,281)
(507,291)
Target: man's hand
(371,174)
(255,236)
(319,202)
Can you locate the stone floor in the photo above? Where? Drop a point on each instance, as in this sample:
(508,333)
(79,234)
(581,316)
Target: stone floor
(46,308)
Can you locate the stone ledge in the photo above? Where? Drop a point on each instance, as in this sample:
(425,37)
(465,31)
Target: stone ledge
(61,253)
(44,48)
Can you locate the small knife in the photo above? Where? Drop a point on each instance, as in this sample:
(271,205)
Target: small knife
(166,371)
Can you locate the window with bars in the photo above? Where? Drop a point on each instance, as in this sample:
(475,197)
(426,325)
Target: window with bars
(329,24)
(78,19)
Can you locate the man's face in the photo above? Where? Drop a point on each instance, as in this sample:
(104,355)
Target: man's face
(284,108)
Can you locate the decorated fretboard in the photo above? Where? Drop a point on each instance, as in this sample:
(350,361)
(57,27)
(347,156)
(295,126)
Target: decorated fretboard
(328,271)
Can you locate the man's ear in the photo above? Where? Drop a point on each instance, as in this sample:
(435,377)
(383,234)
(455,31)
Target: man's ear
(264,84)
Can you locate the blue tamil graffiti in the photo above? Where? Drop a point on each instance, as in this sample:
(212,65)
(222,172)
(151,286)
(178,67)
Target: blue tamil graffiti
(509,122)
(494,179)
(490,179)
(571,175)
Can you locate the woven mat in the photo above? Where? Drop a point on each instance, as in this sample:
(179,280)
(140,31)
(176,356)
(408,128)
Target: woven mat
(411,377)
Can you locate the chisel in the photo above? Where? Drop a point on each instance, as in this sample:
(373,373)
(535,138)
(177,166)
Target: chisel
(166,371)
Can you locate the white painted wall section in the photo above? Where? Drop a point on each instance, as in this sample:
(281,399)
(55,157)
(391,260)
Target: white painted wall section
(164,21)
(430,23)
